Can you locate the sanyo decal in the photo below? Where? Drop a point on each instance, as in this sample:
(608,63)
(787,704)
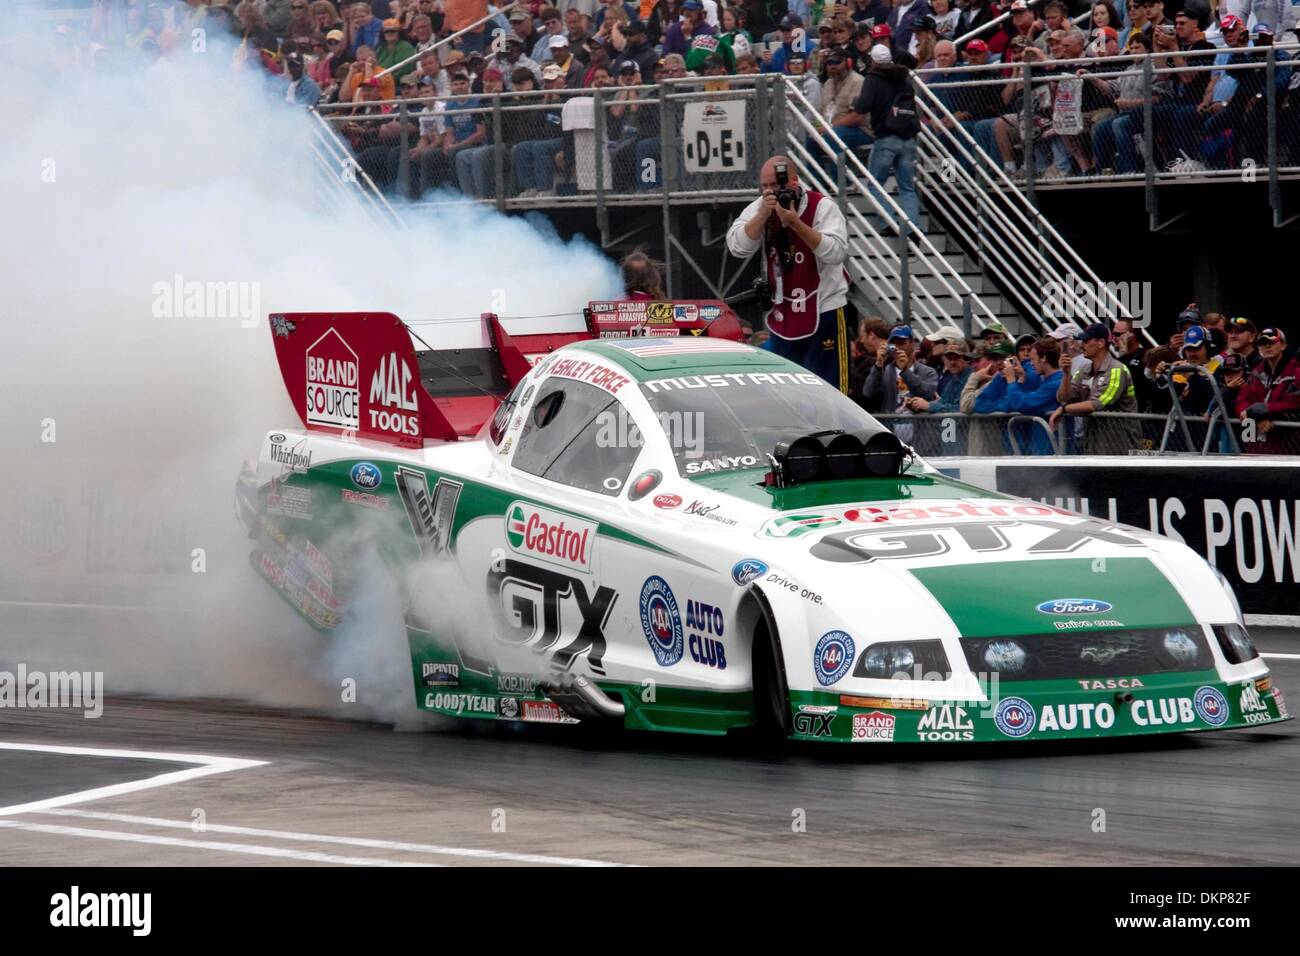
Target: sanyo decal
(194,299)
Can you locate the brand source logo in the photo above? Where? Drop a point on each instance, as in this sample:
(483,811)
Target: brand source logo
(1074,606)
(873,727)
(333,396)
(366,475)
(550,535)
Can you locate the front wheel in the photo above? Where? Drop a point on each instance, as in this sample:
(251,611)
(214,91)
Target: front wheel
(771,695)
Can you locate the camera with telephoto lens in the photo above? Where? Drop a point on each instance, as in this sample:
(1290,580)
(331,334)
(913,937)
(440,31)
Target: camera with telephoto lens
(786,196)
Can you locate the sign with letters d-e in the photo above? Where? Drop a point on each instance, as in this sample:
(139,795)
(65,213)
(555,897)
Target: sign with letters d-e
(713,137)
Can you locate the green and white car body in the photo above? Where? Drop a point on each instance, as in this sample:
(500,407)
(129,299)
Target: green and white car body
(624,533)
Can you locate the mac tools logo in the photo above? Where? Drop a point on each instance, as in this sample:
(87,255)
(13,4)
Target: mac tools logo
(393,405)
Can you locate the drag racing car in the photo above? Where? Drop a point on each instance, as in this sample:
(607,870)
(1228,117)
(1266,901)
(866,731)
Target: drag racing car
(646,522)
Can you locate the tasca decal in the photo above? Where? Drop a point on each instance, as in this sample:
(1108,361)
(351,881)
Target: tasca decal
(832,657)
(978,537)
(1073,606)
(534,607)
(550,536)
(743,572)
(333,397)
(393,405)
(661,621)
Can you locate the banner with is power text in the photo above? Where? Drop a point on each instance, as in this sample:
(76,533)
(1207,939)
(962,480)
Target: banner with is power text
(1243,515)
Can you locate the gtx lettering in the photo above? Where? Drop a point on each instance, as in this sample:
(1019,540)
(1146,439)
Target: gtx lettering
(527,602)
(980,537)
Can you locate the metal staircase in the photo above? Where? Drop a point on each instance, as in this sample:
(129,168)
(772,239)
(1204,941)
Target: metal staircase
(983,254)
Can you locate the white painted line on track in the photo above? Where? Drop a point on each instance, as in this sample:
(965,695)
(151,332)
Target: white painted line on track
(250,849)
(1280,657)
(206,766)
(342,841)
(1273,620)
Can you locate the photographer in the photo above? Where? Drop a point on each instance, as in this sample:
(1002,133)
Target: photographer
(805,240)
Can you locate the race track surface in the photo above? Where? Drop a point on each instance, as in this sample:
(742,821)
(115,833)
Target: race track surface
(332,792)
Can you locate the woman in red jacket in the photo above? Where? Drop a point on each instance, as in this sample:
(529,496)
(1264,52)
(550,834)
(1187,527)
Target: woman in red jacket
(1271,393)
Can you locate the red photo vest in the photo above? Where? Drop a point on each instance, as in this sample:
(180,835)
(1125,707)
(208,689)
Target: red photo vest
(794,285)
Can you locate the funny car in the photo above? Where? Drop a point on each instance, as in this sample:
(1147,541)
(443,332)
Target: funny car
(647,522)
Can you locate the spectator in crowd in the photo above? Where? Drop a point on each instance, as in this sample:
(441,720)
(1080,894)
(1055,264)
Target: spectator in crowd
(460,14)
(869,12)
(747,65)
(363,69)
(299,24)
(733,27)
(678,36)
(552,26)
(474,164)
(1114,143)
(984,438)
(902,20)
(1024,344)
(894,377)
(887,98)
(642,277)
(1056,20)
(975,15)
(774,61)
(956,370)
(839,92)
(1100,382)
(1035,395)
(924,37)
(522,26)
(512,56)
(1241,341)
(562,56)
(393,50)
(1022,23)
(763,16)
(1130,350)
(363,28)
(637,50)
(615,10)
(809,83)
(433,77)
(873,334)
(463,128)
(302,89)
(934,345)
(1194,391)
(576,29)
(1177,121)
(332,53)
(325,17)
(421,34)
(534,159)
(1136,22)
(1270,394)
(945,14)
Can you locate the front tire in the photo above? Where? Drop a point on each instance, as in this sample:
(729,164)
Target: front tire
(771,694)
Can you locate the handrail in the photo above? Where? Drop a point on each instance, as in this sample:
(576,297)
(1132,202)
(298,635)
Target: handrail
(332,157)
(811,126)
(983,213)
(451,36)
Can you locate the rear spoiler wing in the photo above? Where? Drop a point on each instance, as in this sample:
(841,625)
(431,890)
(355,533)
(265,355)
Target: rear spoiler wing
(360,374)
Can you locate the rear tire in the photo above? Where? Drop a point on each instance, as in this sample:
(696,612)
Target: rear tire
(771,694)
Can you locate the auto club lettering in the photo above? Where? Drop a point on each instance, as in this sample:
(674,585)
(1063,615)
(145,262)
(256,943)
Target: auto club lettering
(527,601)
(855,545)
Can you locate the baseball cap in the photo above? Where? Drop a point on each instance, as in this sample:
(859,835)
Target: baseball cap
(880,31)
(552,72)
(924,22)
(628,66)
(825,27)
(1027,339)
(491,73)
(999,349)
(455,56)
(1108,32)
(409,79)
(633,26)
(391,24)
(519,14)
(901,332)
(995,328)
(1018,6)
(1239,323)
(1231,22)
(1099,331)
(1189,316)
(958,348)
(1194,337)
(514,40)
(880,54)
(1264,28)
(945,333)
(1271,335)
(334,35)
(835,56)
(977,46)
(692,5)
(557,41)
(1066,330)
(863,28)
(788,22)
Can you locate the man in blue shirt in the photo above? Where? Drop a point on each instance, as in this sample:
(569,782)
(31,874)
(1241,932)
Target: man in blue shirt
(1025,399)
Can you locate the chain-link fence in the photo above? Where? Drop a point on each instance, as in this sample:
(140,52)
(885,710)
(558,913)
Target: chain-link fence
(617,144)
(1104,433)
(1216,112)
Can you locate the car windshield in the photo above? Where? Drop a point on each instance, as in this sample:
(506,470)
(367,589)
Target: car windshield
(724,422)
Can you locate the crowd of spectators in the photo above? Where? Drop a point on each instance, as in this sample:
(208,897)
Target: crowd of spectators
(1223,373)
(1089,94)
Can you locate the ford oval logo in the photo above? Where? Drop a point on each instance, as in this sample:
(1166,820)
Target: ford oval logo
(1074,606)
(366,475)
